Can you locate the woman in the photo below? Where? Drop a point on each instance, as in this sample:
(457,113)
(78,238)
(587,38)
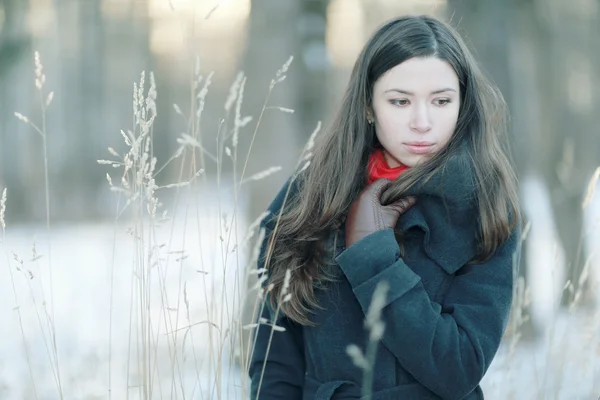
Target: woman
(410,186)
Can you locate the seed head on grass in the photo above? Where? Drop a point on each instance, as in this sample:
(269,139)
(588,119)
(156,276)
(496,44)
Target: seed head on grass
(376,327)
(138,164)
(311,140)
(22,117)
(40,78)
(252,228)
(34,254)
(234,90)
(306,165)
(26,120)
(49,98)
(357,356)
(373,319)
(307,151)
(284,68)
(18,260)
(279,76)
(239,122)
(282,109)
(151,98)
(286,281)
(263,174)
(201,96)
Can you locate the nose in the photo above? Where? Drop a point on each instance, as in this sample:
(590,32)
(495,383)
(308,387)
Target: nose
(420,121)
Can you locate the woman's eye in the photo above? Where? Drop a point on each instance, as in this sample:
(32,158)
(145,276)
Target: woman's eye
(441,102)
(401,103)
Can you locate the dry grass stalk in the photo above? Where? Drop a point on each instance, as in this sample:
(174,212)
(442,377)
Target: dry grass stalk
(376,327)
(591,189)
(3,210)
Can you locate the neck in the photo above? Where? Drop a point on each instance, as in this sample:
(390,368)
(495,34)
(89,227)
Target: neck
(392,163)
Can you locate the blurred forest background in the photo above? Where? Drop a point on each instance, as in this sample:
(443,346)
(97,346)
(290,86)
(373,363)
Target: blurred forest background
(543,54)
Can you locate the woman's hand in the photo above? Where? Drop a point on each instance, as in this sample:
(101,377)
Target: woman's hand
(367,215)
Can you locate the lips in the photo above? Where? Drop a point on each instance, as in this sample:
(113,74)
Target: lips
(419,147)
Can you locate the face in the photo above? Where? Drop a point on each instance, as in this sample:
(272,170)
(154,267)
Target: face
(415,109)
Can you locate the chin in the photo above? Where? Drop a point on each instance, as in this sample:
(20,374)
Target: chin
(411,160)
(415,160)
(408,159)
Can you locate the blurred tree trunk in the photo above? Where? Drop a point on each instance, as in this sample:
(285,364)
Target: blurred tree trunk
(299,31)
(81,49)
(311,65)
(91,80)
(278,30)
(15,95)
(527,115)
(487,28)
(271,41)
(14,36)
(571,144)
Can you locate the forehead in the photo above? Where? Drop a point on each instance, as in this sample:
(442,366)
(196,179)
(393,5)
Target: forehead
(419,75)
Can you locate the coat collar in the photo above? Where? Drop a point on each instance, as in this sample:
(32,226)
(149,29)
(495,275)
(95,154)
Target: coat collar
(446,211)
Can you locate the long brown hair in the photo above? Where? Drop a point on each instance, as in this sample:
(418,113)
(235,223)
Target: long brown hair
(337,172)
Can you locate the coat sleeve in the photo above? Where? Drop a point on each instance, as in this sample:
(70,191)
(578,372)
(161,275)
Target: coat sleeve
(447,347)
(283,376)
(284,366)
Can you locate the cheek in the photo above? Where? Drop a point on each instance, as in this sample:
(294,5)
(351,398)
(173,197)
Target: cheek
(388,131)
(390,121)
(447,125)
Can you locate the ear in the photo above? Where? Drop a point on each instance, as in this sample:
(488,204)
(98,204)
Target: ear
(369,114)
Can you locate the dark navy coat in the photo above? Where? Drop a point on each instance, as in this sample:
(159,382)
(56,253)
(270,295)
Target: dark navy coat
(444,318)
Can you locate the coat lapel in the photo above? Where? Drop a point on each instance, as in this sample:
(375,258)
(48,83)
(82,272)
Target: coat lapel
(447,241)
(446,211)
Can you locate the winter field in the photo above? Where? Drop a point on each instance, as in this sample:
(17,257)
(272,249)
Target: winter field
(132,304)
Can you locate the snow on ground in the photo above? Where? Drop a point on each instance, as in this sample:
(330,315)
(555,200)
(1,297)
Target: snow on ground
(561,366)
(82,268)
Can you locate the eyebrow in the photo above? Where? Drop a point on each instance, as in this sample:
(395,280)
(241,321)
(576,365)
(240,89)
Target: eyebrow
(412,94)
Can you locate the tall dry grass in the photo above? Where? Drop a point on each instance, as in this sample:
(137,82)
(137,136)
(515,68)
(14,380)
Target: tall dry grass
(47,327)
(165,330)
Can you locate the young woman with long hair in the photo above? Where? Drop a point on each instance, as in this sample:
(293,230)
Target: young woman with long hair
(410,186)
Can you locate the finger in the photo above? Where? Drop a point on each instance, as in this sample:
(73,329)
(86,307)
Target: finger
(404,203)
(379,186)
(380,183)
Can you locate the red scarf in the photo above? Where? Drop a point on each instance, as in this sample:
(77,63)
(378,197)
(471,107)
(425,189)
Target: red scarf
(379,168)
